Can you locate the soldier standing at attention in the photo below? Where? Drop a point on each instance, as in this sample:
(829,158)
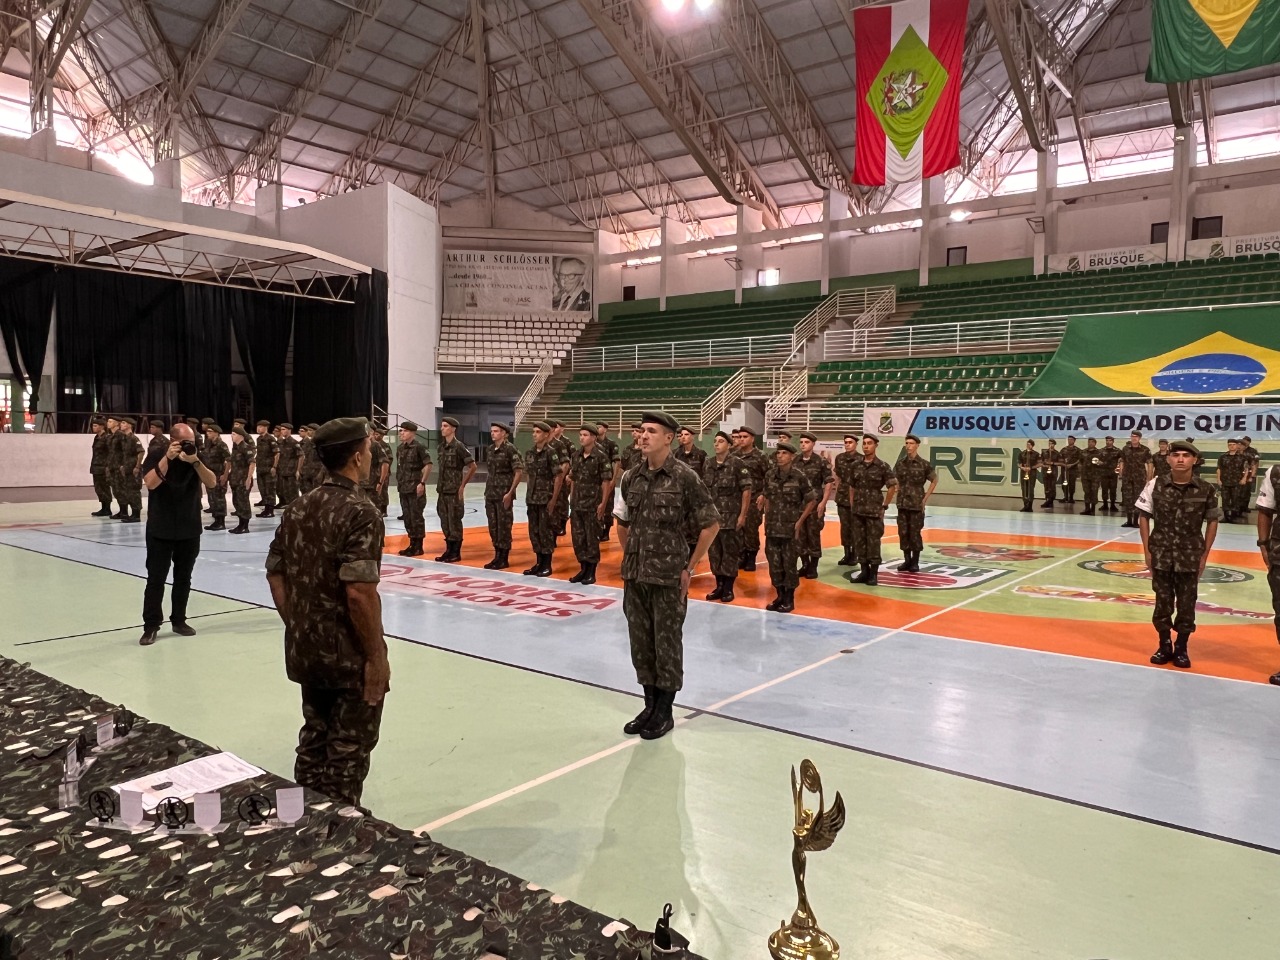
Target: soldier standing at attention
(98,466)
(545,475)
(632,455)
(1253,458)
(1185,512)
(457,467)
(1269,542)
(1110,456)
(111,461)
(1028,461)
(913,472)
(661,498)
(590,498)
(1069,469)
(381,490)
(610,448)
(119,452)
(376,461)
(787,500)
(1049,474)
(817,469)
(1232,474)
(132,455)
(241,478)
(1160,461)
(1134,470)
(691,456)
(757,465)
(728,481)
(1091,474)
(310,470)
(844,509)
(287,463)
(413,467)
(266,459)
(323,568)
(564,447)
(783,437)
(503,467)
(158,439)
(217,459)
(870,476)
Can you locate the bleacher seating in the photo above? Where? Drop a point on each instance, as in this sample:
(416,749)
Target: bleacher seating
(932,378)
(1194,283)
(479,341)
(761,319)
(670,386)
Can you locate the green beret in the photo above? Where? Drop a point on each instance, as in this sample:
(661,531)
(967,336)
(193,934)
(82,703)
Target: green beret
(239,420)
(378,427)
(1108,437)
(784,447)
(404,425)
(205,420)
(660,418)
(501,426)
(784,433)
(851,436)
(684,427)
(872,437)
(1232,440)
(240,432)
(313,426)
(542,425)
(747,430)
(1053,443)
(601,423)
(1136,433)
(913,437)
(264,423)
(721,433)
(589,428)
(287,426)
(1184,446)
(157,425)
(341,430)
(101,421)
(192,420)
(451,421)
(129,420)
(214,427)
(555,423)
(637,425)
(811,437)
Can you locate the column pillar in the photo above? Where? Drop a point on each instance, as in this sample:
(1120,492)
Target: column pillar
(1046,209)
(1184,161)
(926,226)
(671,271)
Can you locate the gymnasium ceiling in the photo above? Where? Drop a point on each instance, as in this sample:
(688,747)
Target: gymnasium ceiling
(602,112)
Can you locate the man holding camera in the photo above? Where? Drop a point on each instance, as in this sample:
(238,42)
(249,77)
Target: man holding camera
(175,478)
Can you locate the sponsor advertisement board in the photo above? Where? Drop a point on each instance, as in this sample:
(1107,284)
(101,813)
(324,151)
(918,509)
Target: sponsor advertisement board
(1260,421)
(1233,246)
(489,281)
(1104,259)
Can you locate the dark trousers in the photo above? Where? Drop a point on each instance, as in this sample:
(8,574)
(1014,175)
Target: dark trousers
(751,529)
(412,506)
(1028,488)
(810,543)
(1109,481)
(910,526)
(1175,591)
(161,555)
(781,553)
(1273,581)
(218,501)
(102,488)
(867,533)
(266,485)
(845,512)
(500,517)
(339,732)
(585,529)
(1130,489)
(1090,490)
(449,510)
(726,551)
(1050,480)
(655,626)
(287,484)
(1069,477)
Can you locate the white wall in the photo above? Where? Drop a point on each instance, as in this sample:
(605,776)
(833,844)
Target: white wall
(45,460)
(1245,210)
(644,279)
(414,274)
(1090,225)
(988,240)
(880,253)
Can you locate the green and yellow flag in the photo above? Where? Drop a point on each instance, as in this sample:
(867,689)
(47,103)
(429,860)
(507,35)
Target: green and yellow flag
(1205,38)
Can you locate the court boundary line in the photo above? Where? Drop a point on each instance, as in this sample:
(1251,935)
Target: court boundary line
(134,626)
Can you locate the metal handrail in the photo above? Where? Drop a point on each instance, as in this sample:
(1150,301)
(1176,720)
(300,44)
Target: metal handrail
(869,305)
(725,351)
(478,364)
(618,414)
(934,339)
(532,390)
(790,393)
(724,396)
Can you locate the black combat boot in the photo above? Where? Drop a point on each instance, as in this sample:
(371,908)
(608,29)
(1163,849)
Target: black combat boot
(1026,506)
(864,575)
(132,516)
(907,559)
(776,602)
(452,551)
(846,560)
(1087,511)
(635,725)
(104,510)
(718,592)
(414,549)
(493,564)
(218,524)
(660,721)
(727,595)
(873,575)
(1180,658)
(242,526)
(748,562)
(1165,651)
(537,565)
(267,512)
(544,568)
(580,575)
(590,578)
(810,571)
(788,603)
(502,558)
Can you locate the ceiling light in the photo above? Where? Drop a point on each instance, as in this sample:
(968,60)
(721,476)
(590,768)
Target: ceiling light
(672,6)
(959,215)
(702,6)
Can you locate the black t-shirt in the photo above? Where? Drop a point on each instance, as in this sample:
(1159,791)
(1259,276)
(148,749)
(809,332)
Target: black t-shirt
(173,508)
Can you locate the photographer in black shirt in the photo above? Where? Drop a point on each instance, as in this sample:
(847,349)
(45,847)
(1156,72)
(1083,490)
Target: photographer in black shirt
(176,480)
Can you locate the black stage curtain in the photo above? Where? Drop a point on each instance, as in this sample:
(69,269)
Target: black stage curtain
(372,352)
(324,367)
(204,352)
(26,311)
(263,324)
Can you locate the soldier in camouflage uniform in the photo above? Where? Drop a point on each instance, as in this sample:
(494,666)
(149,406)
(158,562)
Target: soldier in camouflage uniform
(844,509)
(868,478)
(728,481)
(1135,469)
(413,467)
(241,477)
(1160,461)
(1268,505)
(158,439)
(1049,474)
(503,467)
(308,467)
(688,453)
(115,457)
(1110,457)
(818,470)
(288,461)
(323,568)
(1253,458)
(544,473)
(913,472)
(1091,473)
(612,451)
(788,500)
(660,499)
(564,447)
(1233,470)
(98,466)
(590,498)
(266,460)
(1184,510)
(457,467)
(381,468)
(1028,462)
(757,464)
(131,456)
(217,458)
(1069,460)
(632,455)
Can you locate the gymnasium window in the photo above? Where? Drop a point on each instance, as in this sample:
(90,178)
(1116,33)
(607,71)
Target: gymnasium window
(1160,232)
(1206,228)
(957,256)
(767,278)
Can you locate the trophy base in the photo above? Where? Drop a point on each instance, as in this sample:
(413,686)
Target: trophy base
(796,943)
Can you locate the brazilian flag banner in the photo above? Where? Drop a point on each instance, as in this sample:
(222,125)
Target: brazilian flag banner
(1185,356)
(1206,38)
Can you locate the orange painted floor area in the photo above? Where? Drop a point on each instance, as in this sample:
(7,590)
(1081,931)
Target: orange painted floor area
(1241,652)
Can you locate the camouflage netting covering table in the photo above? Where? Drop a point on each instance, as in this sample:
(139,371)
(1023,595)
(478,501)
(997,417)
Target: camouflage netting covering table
(333,885)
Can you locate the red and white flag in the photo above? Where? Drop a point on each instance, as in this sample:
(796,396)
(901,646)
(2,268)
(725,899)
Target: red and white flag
(909,60)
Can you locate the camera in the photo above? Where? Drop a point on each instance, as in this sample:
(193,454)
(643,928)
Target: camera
(189,448)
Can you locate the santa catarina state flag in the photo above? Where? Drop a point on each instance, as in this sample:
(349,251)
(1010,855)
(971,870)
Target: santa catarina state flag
(1205,38)
(908,59)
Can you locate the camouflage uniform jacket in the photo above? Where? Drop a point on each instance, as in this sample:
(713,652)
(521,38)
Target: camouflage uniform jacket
(843,467)
(867,480)
(501,466)
(631,457)
(1109,456)
(1253,458)
(757,465)
(157,443)
(610,448)
(265,449)
(326,540)
(818,469)
(1232,466)
(695,459)
(1028,460)
(411,459)
(541,468)
(115,452)
(1093,466)
(725,482)
(241,458)
(1135,460)
(290,454)
(913,474)
(588,473)
(658,507)
(310,460)
(1161,462)
(564,446)
(130,450)
(1267,504)
(1179,513)
(101,452)
(377,457)
(787,491)
(454,457)
(215,457)
(1070,456)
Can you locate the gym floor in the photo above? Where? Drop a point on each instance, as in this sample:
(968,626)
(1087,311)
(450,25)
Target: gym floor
(1020,781)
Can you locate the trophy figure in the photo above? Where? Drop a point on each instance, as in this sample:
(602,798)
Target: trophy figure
(802,938)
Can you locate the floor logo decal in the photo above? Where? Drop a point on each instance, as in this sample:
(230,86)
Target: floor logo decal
(982,552)
(499,595)
(1137,570)
(935,576)
(1130,599)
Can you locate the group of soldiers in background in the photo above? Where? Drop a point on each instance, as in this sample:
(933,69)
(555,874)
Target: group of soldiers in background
(116,468)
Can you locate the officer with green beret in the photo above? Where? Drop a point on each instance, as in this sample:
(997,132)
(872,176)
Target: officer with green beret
(310,470)
(457,467)
(1069,460)
(98,465)
(1135,468)
(159,441)
(757,465)
(1110,457)
(241,477)
(817,469)
(844,508)
(1049,473)
(323,568)
(504,467)
(217,459)
(632,455)
(380,471)
(788,500)
(1028,462)
(413,467)
(542,494)
(912,472)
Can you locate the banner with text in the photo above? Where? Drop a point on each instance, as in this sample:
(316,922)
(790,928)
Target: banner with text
(1260,421)
(1233,246)
(487,281)
(1102,259)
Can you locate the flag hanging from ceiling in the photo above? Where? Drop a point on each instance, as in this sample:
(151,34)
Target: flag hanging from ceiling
(1205,38)
(908,58)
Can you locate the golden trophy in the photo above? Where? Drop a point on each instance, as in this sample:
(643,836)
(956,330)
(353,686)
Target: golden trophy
(802,938)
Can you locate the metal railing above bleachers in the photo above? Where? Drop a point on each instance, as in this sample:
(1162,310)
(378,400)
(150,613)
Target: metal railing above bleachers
(724,352)
(945,339)
(867,306)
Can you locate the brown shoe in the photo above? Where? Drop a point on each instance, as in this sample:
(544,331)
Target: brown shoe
(148,638)
(184,629)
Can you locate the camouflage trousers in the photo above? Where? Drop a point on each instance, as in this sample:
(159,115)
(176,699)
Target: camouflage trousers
(218,502)
(1130,488)
(339,732)
(449,510)
(1068,478)
(287,487)
(845,512)
(1178,591)
(1049,479)
(381,498)
(560,516)
(867,532)
(655,625)
(725,552)
(1235,499)
(240,499)
(131,492)
(751,529)
(412,506)
(500,518)
(1109,481)
(1028,485)
(267,487)
(810,543)
(308,482)
(1090,488)
(781,552)
(1273,581)
(910,526)
(101,488)
(542,530)
(586,535)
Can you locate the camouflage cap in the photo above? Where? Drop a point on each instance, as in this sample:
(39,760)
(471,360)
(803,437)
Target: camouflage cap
(784,447)
(404,425)
(660,418)
(1182,446)
(451,421)
(542,425)
(811,437)
(240,432)
(501,426)
(341,430)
